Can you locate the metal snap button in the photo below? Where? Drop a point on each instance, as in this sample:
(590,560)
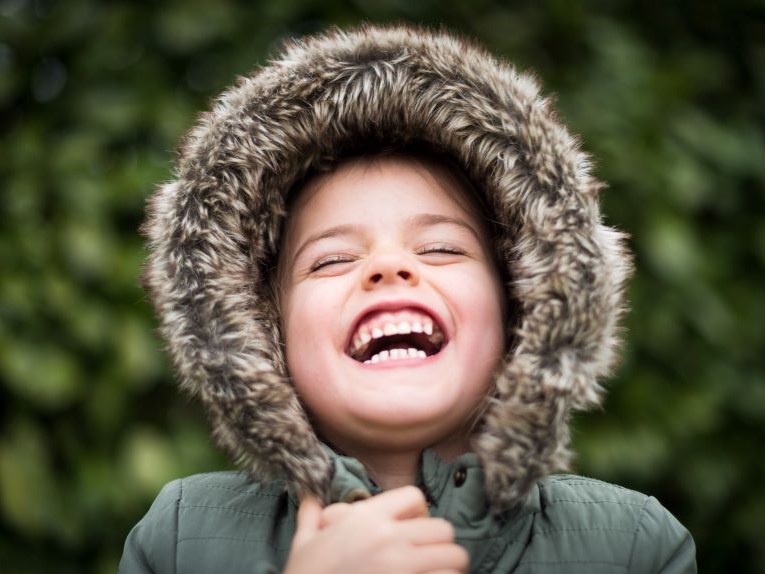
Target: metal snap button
(459,477)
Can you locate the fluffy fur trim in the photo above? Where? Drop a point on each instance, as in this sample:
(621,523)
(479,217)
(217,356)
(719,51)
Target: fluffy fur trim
(214,233)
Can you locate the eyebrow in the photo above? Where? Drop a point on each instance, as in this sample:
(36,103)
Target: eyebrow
(432,219)
(416,221)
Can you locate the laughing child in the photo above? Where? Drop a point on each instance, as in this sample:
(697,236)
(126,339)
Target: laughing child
(381,267)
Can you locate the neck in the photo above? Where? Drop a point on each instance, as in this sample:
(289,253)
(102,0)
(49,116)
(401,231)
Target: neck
(393,469)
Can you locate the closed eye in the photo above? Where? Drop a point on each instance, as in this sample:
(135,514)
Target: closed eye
(330,260)
(444,249)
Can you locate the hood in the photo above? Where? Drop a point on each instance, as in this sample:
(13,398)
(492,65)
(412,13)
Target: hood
(214,233)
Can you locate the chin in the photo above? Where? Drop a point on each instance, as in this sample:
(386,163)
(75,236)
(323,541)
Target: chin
(397,427)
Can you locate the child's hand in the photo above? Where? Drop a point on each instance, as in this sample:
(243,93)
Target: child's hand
(388,534)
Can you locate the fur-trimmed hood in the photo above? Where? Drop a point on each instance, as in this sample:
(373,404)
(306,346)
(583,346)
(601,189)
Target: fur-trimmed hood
(214,233)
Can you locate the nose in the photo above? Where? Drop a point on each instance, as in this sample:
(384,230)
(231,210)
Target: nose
(390,268)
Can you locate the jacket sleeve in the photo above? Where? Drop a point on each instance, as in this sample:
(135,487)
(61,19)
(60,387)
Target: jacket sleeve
(661,543)
(150,547)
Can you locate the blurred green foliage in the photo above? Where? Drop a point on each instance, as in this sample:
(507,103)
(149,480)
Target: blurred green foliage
(93,98)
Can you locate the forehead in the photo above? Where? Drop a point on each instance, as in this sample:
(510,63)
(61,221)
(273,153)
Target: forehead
(411,182)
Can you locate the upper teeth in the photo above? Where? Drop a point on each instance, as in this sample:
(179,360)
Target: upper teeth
(402,328)
(386,324)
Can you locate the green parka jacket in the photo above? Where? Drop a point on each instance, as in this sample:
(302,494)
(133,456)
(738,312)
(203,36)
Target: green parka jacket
(214,235)
(223,522)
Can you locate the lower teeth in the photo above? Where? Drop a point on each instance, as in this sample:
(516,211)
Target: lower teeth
(396,354)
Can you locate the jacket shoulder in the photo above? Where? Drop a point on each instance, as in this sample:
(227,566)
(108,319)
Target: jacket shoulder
(603,527)
(566,492)
(227,489)
(206,520)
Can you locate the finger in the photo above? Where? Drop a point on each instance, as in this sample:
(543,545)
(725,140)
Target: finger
(435,557)
(399,503)
(420,531)
(308,516)
(333,513)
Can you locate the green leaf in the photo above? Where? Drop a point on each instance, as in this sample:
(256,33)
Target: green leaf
(44,374)
(29,495)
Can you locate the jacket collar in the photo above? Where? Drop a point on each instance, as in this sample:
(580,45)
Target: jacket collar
(455,491)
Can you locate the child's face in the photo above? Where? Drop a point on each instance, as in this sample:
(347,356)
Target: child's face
(389,247)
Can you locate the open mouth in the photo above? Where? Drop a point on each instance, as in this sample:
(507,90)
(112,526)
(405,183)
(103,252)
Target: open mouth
(399,335)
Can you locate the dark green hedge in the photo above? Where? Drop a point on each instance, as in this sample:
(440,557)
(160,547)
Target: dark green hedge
(93,97)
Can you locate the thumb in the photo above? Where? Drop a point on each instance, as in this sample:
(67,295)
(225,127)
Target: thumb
(308,519)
